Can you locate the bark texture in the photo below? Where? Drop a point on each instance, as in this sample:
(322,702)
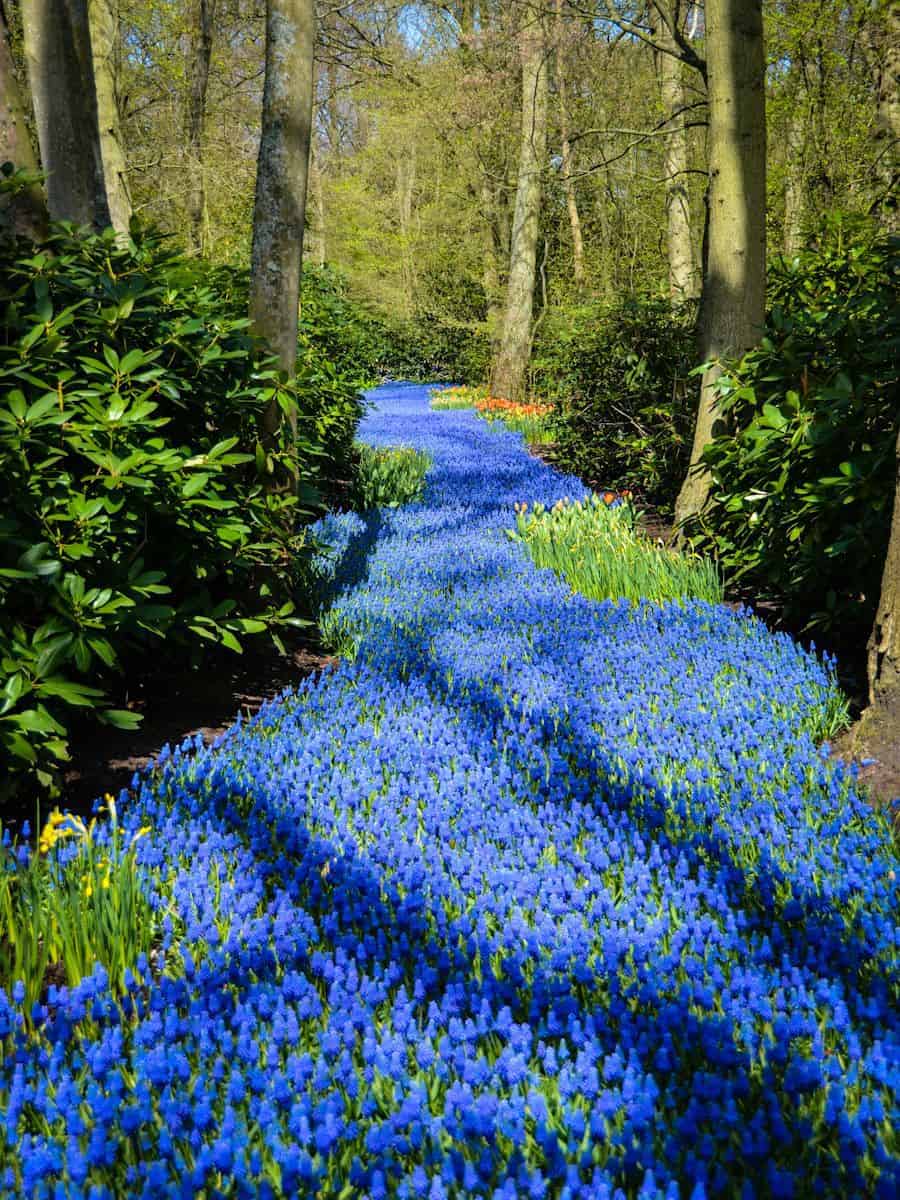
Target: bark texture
(199,58)
(24,213)
(61,72)
(406,182)
(510,367)
(882,42)
(316,233)
(794,190)
(884,643)
(684,276)
(104,23)
(732,310)
(490,271)
(281,182)
(566,156)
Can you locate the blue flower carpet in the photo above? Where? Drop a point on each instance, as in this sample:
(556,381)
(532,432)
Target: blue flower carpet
(535,896)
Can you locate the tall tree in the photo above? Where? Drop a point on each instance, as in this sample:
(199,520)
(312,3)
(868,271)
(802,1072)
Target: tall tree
(792,236)
(733,301)
(882,41)
(61,72)
(316,234)
(684,283)
(104,24)
(281,182)
(24,212)
(200,44)
(884,643)
(509,369)
(566,153)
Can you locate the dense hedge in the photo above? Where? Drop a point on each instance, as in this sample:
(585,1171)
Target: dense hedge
(136,508)
(804,476)
(623,408)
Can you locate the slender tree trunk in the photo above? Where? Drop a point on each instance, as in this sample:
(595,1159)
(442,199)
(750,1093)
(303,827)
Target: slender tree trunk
(490,273)
(199,58)
(281,181)
(406,178)
(792,240)
(25,213)
(508,374)
(882,45)
(684,278)
(316,232)
(61,71)
(733,303)
(104,21)
(566,164)
(884,643)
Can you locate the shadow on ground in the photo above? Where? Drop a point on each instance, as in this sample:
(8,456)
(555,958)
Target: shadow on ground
(175,705)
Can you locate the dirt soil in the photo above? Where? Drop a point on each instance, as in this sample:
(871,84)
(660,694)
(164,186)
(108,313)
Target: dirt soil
(176,705)
(873,743)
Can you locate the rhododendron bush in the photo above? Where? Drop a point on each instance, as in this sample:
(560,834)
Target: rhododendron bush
(538,896)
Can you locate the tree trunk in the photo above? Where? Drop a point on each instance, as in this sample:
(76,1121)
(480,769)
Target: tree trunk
(882,45)
(566,164)
(199,58)
(104,22)
(884,643)
(23,213)
(792,240)
(490,274)
(684,281)
(508,374)
(406,179)
(281,181)
(733,303)
(61,72)
(316,232)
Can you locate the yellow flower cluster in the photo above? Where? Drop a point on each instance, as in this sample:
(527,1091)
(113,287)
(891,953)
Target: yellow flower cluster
(59,826)
(64,825)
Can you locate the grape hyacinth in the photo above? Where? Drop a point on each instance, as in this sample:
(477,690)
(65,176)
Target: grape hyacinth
(536,896)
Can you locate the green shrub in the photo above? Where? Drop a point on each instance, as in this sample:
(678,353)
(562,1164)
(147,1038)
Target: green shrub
(389,476)
(804,477)
(340,328)
(624,410)
(429,347)
(598,550)
(137,511)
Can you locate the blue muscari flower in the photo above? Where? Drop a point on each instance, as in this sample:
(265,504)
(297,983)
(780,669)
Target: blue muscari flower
(516,873)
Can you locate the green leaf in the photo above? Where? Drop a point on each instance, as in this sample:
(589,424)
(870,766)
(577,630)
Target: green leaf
(134,359)
(76,694)
(17,405)
(120,718)
(38,720)
(41,407)
(228,639)
(194,485)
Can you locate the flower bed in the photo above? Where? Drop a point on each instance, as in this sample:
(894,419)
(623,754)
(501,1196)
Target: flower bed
(538,896)
(596,548)
(528,417)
